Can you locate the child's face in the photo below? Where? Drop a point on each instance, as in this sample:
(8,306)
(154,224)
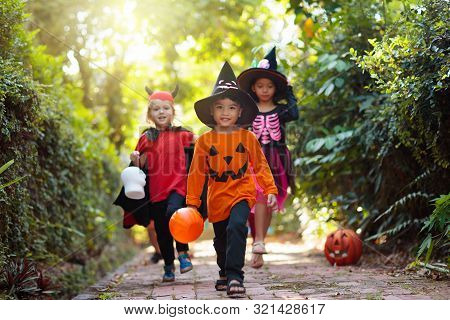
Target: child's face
(226,112)
(161,113)
(264,89)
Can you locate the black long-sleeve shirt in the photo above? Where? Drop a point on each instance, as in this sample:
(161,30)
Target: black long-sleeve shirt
(270,127)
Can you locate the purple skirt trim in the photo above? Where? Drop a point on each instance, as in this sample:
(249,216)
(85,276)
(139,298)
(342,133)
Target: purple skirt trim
(279,160)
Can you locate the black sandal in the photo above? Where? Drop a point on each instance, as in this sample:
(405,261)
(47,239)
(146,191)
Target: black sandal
(233,293)
(221,285)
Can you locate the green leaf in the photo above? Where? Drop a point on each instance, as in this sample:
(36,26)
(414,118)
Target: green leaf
(425,245)
(323,87)
(79,233)
(332,64)
(426,225)
(341,66)
(344,135)
(314,145)
(333,57)
(6,166)
(328,158)
(339,82)
(323,58)
(11,182)
(308,160)
(330,142)
(329,90)
(373,42)
(367,103)
(314,170)
(430,249)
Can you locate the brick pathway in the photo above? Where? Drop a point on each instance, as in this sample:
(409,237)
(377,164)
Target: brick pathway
(290,273)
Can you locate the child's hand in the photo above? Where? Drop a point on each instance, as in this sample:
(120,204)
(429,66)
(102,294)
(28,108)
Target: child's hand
(196,209)
(272,201)
(134,157)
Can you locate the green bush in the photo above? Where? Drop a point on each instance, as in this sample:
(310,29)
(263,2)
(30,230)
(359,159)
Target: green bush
(437,227)
(372,139)
(61,213)
(335,153)
(410,65)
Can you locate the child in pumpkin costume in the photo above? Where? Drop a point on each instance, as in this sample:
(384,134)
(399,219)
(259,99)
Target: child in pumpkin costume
(225,154)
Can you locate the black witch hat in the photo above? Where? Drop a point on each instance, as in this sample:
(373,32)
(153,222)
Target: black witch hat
(226,87)
(267,68)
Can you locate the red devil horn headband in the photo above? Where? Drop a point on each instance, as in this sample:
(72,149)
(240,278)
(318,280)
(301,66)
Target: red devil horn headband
(162,95)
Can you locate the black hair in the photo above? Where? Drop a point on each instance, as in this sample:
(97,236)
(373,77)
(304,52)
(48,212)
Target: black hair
(276,97)
(228,95)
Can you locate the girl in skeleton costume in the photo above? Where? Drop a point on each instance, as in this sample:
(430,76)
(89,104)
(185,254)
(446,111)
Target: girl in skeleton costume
(268,87)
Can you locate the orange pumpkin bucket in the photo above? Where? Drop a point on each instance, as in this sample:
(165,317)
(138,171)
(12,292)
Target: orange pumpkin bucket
(343,247)
(186,225)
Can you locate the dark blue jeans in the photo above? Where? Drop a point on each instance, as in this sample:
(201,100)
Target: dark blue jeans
(230,241)
(161,213)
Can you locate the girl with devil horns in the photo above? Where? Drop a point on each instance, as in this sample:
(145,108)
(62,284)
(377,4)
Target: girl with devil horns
(162,152)
(268,87)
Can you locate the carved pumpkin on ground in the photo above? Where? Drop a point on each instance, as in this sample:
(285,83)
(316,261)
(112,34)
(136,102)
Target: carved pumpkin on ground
(223,166)
(186,225)
(343,247)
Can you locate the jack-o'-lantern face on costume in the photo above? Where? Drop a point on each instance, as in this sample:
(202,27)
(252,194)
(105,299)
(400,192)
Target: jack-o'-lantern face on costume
(234,164)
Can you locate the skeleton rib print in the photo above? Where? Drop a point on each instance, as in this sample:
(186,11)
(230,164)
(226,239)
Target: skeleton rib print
(267,127)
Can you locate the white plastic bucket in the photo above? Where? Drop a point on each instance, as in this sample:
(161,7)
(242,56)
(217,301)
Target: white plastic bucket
(133,180)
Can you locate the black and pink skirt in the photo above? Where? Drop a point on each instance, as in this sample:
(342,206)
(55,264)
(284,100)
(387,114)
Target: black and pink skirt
(280,163)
